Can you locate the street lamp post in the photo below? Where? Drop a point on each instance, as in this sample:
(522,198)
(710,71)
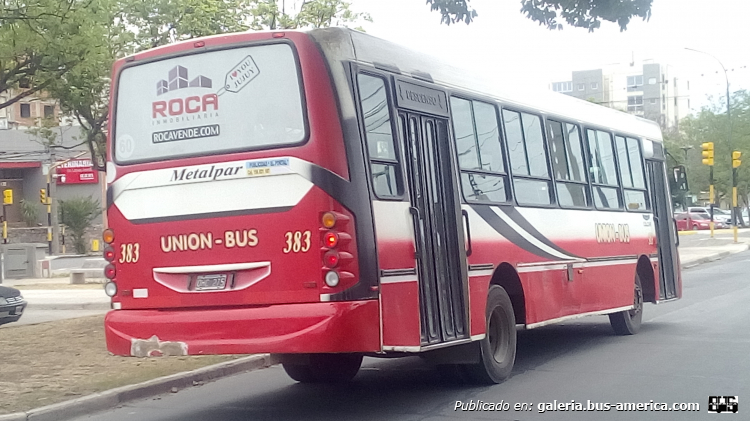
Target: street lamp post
(729,139)
(685,149)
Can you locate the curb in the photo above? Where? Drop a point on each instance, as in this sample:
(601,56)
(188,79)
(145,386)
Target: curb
(112,398)
(710,258)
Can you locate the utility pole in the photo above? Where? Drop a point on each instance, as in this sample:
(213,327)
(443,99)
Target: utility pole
(708,159)
(736,155)
(48,196)
(685,149)
(53,234)
(729,139)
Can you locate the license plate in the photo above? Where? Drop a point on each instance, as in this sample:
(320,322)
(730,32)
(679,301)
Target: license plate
(210,282)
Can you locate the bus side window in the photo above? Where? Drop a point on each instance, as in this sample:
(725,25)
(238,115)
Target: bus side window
(603,174)
(480,157)
(528,158)
(631,173)
(568,164)
(384,164)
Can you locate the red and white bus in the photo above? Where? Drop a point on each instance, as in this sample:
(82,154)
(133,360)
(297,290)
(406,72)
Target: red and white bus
(326,195)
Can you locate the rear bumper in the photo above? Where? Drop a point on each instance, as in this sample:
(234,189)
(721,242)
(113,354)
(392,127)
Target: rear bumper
(349,326)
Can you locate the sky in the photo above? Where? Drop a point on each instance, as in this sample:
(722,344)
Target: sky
(504,43)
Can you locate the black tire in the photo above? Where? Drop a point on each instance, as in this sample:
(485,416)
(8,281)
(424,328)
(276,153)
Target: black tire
(498,348)
(628,322)
(695,227)
(325,368)
(299,372)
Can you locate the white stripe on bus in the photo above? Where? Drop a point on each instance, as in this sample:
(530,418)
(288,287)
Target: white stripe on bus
(528,237)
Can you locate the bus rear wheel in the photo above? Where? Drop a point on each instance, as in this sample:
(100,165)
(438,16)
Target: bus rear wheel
(323,368)
(628,322)
(498,348)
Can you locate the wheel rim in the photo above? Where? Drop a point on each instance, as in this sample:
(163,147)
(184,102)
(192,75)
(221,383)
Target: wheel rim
(498,335)
(637,301)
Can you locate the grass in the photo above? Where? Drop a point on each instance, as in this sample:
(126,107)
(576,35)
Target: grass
(57,361)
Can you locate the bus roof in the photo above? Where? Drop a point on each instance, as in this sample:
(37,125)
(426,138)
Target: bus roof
(347,44)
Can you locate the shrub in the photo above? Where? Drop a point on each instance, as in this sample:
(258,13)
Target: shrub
(29,212)
(77,214)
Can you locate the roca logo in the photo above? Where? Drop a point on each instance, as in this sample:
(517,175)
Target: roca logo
(189,105)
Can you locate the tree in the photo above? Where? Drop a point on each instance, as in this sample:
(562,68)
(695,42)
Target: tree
(310,14)
(711,125)
(40,41)
(550,13)
(126,26)
(77,214)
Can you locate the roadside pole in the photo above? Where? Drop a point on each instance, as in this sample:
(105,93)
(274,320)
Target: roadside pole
(736,155)
(708,159)
(52,197)
(53,225)
(7,201)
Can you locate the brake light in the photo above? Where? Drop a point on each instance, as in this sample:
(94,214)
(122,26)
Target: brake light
(109,254)
(335,249)
(331,259)
(331,239)
(110,271)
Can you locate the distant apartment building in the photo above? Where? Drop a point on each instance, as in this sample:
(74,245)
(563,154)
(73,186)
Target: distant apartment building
(651,90)
(28,111)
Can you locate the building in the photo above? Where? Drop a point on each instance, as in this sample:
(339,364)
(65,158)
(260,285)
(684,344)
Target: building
(25,162)
(650,90)
(28,111)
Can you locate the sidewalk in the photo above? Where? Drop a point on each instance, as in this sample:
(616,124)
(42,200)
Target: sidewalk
(697,247)
(59,294)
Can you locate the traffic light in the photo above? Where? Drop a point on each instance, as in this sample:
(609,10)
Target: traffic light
(736,155)
(708,153)
(43,196)
(7,197)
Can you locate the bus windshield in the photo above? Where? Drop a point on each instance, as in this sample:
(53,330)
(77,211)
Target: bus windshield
(216,102)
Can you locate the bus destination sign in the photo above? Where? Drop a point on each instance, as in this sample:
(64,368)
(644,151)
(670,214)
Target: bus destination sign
(420,98)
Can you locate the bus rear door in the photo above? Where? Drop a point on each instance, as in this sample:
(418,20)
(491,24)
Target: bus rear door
(436,213)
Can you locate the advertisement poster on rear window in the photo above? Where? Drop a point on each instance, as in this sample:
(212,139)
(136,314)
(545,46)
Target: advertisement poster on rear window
(220,101)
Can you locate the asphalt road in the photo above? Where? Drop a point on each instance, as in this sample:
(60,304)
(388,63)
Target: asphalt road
(686,351)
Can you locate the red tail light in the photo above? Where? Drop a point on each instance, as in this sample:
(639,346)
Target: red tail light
(109,254)
(331,259)
(110,271)
(331,239)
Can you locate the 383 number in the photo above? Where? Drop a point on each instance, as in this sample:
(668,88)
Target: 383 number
(129,253)
(297,241)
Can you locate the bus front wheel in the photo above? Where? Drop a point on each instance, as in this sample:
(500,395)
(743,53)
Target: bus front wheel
(628,322)
(498,348)
(323,368)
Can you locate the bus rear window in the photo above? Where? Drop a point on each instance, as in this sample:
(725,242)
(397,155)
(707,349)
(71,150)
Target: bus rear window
(203,104)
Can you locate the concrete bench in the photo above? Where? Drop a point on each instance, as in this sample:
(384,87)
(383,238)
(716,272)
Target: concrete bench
(79,276)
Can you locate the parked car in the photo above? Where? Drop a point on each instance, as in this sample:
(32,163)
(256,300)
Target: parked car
(696,221)
(12,305)
(719,214)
